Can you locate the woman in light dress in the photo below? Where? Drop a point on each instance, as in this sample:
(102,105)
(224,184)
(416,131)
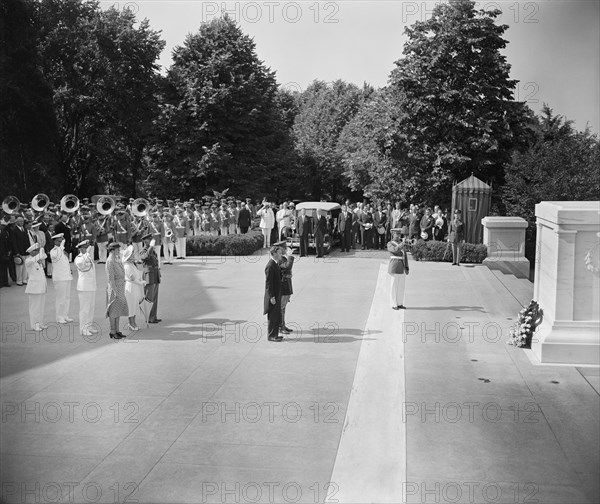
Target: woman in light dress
(134,287)
(116,304)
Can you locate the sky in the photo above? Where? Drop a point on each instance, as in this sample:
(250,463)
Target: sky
(553,46)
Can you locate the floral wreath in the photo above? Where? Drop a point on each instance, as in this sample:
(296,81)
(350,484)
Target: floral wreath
(589,260)
(528,321)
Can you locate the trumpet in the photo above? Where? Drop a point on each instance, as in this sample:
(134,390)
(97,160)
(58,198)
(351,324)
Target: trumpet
(105,205)
(69,203)
(11,205)
(140,207)
(40,202)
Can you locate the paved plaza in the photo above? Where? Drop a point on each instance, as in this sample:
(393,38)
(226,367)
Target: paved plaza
(359,404)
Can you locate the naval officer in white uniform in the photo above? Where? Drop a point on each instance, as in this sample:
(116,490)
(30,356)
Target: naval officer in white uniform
(36,286)
(61,277)
(86,287)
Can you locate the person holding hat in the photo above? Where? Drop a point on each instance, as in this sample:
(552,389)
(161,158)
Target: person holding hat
(19,243)
(134,286)
(61,278)
(116,304)
(36,286)
(397,268)
(86,287)
(151,276)
(456,236)
(272,298)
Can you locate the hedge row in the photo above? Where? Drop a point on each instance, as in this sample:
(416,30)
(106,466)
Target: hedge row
(229,245)
(434,251)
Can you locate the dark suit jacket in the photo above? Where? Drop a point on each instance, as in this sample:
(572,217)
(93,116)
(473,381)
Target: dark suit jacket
(151,269)
(272,284)
(244,218)
(303,229)
(62,228)
(321,225)
(19,240)
(345,222)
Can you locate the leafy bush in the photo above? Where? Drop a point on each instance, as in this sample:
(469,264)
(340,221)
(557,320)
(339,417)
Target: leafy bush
(434,251)
(238,244)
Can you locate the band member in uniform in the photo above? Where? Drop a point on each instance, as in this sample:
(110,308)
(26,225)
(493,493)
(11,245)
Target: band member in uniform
(397,269)
(36,286)
(61,277)
(157,230)
(138,229)
(86,287)
(103,226)
(151,276)
(180,244)
(122,229)
(116,304)
(170,237)
(272,298)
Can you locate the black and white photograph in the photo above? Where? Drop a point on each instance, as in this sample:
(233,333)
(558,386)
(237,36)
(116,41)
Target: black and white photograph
(300,251)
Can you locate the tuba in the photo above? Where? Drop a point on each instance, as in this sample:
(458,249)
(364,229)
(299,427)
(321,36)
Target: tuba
(11,205)
(40,202)
(140,207)
(105,205)
(69,203)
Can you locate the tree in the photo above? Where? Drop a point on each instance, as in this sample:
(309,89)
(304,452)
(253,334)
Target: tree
(459,113)
(561,164)
(324,111)
(103,72)
(28,130)
(219,124)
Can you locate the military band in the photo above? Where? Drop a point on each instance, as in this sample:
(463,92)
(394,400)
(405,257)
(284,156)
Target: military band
(41,240)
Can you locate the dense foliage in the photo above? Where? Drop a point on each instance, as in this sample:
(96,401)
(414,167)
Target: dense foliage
(440,251)
(228,245)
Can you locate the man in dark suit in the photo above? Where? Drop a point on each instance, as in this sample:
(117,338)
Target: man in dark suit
(244,219)
(345,227)
(303,225)
(5,253)
(19,244)
(63,227)
(272,300)
(151,275)
(320,230)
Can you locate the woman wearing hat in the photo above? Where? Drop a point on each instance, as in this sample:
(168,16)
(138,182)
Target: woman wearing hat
(36,286)
(116,304)
(134,286)
(456,236)
(397,269)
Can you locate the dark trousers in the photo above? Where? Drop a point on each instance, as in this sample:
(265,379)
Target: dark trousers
(347,240)
(368,238)
(380,241)
(274,318)
(244,229)
(12,269)
(151,292)
(319,240)
(304,244)
(4,273)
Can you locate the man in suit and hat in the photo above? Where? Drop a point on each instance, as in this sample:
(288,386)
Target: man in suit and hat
(244,219)
(86,287)
(320,230)
(345,227)
(152,276)
(272,298)
(20,244)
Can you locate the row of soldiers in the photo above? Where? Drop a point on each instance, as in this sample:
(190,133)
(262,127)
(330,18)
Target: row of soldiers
(169,223)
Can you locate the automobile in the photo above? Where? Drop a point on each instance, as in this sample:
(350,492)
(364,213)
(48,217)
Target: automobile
(332,213)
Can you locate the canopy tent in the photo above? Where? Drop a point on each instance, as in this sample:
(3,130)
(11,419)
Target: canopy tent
(474,198)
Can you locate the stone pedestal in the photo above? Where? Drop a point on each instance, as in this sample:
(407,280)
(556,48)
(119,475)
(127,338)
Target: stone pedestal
(567,282)
(505,241)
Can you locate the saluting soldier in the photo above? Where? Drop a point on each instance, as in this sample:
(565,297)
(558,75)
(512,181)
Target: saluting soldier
(36,286)
(86,287)
(61,277)
(152,277)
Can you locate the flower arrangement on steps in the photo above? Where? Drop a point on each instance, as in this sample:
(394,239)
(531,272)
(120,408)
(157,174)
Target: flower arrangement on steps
(528,321)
